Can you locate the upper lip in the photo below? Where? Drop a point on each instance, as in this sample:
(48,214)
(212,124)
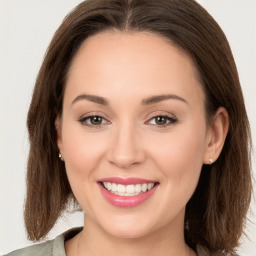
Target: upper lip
(126,181)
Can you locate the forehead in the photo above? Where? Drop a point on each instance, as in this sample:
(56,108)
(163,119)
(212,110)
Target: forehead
(132,63)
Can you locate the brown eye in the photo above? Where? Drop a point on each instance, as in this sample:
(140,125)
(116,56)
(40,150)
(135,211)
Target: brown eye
(93,120)
(162,121)
(96,120)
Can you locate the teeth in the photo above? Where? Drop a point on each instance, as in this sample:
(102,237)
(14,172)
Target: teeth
(120,188)
(137,188)
(144,187)
(114,187)
(150,185)
(109,186)
(127,190)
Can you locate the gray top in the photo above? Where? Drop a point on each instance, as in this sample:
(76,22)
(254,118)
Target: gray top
(50,248)
(56,247)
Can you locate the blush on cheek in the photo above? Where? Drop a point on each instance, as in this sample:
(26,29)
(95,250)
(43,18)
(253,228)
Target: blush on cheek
(181,161)
(83,151)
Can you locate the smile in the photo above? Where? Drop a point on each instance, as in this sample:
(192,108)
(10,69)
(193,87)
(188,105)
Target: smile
(129,192)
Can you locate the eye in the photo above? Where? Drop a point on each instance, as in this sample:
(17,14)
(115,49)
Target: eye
(93,120)
(162,120)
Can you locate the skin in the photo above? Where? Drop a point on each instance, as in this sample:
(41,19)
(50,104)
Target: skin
(126,68)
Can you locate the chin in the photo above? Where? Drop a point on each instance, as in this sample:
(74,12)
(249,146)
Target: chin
(129,233)
(128,227)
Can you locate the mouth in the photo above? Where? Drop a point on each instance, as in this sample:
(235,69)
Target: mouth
(129,192)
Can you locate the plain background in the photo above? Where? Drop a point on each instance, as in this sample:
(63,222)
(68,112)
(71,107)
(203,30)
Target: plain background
(26,28)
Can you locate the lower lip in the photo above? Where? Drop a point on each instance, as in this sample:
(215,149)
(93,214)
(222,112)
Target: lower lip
(126,201)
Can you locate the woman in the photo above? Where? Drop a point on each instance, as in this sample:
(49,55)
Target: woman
(137,116)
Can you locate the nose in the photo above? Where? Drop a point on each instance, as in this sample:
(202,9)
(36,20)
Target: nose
(126,149)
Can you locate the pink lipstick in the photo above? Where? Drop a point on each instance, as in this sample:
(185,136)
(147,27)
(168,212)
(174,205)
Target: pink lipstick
(127,192)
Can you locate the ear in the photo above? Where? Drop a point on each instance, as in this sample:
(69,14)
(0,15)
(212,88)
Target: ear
(216,135)
(59,134)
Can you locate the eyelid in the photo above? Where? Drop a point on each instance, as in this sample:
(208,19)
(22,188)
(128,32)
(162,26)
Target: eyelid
(90,115)
(170,117)
(162,114)
(93,113)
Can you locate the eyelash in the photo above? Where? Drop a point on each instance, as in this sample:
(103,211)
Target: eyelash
(169,119)
(84,119)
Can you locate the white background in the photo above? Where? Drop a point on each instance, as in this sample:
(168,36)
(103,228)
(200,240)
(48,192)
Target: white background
(26,27)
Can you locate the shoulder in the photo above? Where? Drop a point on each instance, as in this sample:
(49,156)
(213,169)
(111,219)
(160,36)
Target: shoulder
(201,251)
(53,247)
(50,248)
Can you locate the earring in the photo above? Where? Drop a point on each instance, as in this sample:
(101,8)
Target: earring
(60,156)
(211,160)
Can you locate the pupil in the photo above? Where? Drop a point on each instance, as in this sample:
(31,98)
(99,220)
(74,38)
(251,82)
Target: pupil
(160,120)
(96,120)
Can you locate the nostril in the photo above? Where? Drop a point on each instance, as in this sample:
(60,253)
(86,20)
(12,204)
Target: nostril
(126,159)
(125,150)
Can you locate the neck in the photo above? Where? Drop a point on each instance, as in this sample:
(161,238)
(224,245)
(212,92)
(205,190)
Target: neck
(94,241)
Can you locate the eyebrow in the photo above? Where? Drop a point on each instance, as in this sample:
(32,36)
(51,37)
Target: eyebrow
(147,101)
(159,98)
(92,98)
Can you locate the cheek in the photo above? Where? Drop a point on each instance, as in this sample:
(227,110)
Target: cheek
(82,151)
(180,147)
(179,157)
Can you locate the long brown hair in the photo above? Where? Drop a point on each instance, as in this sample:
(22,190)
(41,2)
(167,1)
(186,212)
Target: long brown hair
(216,213)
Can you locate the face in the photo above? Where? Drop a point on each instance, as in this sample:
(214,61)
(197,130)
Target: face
(133,132)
